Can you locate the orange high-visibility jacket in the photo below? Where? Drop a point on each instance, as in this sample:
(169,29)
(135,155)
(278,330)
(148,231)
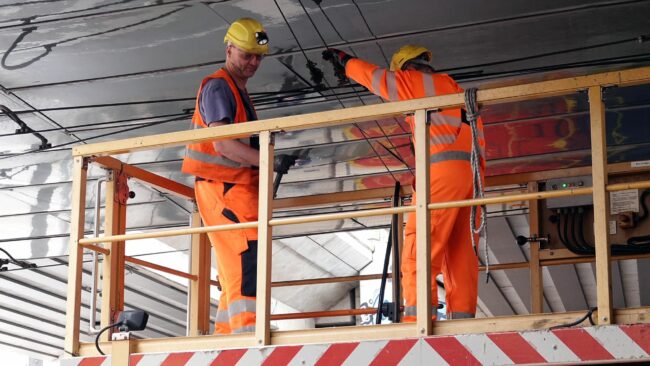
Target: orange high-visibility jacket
(203,160)
(445,126)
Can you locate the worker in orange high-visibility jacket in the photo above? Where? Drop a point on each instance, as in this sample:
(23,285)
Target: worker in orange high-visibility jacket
(227,176)
(410,76)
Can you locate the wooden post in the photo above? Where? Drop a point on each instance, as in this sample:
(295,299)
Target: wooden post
(201,266)
(601,205)
(113,264)
(264,242)
(423,223)
(121,353)
(536,286)
(75,255)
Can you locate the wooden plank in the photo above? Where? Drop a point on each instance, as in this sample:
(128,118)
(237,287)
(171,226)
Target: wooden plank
(365,113)
(536,286)
(146,177)
(264,242)
(601,205)
(423,224)
(338,197)
(201,267)
(160,268)
(113,263)
(121,352)
(75,256)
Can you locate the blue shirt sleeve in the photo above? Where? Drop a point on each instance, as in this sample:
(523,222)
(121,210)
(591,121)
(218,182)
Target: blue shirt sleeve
(217,103)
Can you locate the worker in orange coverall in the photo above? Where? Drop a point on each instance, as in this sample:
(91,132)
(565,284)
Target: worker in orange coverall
(411,76)
(227,175)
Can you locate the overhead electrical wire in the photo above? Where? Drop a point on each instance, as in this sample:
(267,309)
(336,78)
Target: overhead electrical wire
(405,35)
(395,155)
(7,156)
(30,19)
(365,136)
(49,46)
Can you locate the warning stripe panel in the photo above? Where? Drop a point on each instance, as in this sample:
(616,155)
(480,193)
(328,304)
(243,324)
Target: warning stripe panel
(336,354)
(516,347)
(568,345)
(583,344)
(452,351)
(640,334)
(393,352)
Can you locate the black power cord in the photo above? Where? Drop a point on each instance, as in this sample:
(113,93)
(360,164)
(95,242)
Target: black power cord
(588,315)
(100,333)
(12,260)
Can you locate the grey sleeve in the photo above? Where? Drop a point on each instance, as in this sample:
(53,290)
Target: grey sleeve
(217,103)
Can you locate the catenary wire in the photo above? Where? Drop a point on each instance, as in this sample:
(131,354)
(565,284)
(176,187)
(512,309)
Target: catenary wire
(395,155)
(343,105)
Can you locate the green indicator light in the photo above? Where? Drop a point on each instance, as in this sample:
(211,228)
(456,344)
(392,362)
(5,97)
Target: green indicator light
(564,185)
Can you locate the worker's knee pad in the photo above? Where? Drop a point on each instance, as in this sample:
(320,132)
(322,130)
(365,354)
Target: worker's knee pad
(249,269)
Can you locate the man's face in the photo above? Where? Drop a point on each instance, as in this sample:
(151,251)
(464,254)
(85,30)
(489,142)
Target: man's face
(245,63)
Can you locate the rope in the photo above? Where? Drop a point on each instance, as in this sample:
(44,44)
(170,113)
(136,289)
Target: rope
(475,160)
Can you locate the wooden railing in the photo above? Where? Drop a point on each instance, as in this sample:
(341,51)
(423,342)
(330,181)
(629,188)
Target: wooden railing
(114,238)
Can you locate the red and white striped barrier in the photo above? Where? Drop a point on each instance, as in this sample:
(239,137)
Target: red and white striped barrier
(566,346)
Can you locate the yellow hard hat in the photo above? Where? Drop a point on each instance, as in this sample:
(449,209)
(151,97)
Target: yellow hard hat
(407,53)
(249,35)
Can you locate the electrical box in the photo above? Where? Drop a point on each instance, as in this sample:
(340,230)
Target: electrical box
(566,184)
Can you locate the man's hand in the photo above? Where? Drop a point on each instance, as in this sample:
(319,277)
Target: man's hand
(282,163)
(336,55)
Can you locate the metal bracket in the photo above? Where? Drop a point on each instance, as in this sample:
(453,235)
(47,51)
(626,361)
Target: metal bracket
(121,336)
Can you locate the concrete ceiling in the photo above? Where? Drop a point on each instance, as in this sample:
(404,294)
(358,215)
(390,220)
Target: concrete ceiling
(84,72)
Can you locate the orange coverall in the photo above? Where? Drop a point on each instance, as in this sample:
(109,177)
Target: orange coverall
(226,193)
(451,179)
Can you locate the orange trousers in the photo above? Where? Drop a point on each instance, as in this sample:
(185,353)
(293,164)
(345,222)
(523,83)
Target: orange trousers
(451,245)
(235,250)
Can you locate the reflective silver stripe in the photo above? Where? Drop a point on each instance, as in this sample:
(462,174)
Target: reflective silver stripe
(240,306)
(444,139)
(412,310)
(448,156)
(429,86)
(376,80)
(439,119)
(244,329)
(459,315)
(212,159)
(222,316)
(391,85)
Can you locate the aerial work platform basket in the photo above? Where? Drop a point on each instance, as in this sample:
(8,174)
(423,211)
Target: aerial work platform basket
(616,334)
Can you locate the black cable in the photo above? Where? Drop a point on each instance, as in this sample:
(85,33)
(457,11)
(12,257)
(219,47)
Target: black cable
(14,261)
(7,156)
(581,231)
(366,137)
(381,49)
(390,37)
(558,225)
(30,20)
(100,333)
(328,86)
(48,47)
(85,126)
(587,316)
